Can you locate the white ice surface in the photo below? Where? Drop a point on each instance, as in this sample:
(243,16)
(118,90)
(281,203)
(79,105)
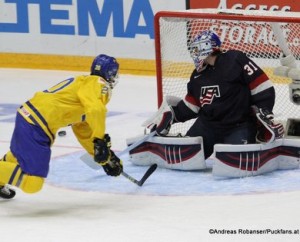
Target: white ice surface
(80,204)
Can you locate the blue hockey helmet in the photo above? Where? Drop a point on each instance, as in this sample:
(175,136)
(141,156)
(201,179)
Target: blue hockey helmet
(202,46)
(107,67)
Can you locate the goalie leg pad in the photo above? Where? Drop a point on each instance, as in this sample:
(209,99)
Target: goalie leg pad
(180,153)
(233,161)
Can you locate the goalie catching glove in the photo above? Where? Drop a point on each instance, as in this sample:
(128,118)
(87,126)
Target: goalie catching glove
(105,157)
(268,130)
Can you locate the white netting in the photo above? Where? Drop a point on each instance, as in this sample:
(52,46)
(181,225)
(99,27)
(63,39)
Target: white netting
(252,33)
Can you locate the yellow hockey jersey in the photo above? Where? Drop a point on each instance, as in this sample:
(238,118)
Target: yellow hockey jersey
(79,102)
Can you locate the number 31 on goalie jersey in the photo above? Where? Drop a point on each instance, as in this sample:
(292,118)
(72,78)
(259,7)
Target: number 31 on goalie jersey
(250,68)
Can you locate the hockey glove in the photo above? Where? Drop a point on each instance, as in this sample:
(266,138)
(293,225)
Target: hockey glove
(102,150)
(114,166)
(104,156)
(163,124)
(268,130)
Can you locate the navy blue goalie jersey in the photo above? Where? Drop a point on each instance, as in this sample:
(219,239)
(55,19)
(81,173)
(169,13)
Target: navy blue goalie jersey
(224,93)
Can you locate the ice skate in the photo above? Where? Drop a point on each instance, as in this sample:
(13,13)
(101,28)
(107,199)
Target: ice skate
(6,192)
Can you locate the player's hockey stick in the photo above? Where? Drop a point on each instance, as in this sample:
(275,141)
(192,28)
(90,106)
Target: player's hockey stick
(87,159)
(148,173)
(134,145)
(95,166)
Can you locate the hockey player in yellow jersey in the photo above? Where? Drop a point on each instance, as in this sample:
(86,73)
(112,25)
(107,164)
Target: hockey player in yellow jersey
(79,102)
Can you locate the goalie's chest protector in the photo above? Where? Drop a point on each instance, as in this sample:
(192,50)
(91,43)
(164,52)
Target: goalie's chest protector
(222,90)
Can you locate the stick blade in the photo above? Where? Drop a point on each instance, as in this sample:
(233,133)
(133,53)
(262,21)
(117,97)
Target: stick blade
(148,173)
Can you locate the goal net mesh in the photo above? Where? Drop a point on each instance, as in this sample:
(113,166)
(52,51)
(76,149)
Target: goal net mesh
(248,31)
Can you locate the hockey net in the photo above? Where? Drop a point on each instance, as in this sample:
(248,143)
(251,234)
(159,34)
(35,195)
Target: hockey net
(250,31)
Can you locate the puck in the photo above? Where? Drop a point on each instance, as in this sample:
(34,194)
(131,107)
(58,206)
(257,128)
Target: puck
(62,133)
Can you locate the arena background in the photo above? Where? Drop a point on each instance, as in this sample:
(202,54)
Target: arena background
(68,34)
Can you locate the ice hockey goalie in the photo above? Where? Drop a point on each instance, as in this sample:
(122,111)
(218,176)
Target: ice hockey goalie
(232,100)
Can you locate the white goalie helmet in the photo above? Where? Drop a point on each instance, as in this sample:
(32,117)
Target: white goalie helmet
(202,46)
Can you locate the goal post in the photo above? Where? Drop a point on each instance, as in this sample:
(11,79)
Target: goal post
(251,31)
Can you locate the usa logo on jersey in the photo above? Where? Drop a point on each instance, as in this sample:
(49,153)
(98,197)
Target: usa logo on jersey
(208,93)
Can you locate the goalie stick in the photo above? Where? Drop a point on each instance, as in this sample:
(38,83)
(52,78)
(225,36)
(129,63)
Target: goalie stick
(87,159)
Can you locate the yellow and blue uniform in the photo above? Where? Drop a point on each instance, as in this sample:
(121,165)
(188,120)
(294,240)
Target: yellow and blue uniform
(79,102)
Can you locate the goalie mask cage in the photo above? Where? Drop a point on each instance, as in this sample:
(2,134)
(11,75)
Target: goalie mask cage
(251,31)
